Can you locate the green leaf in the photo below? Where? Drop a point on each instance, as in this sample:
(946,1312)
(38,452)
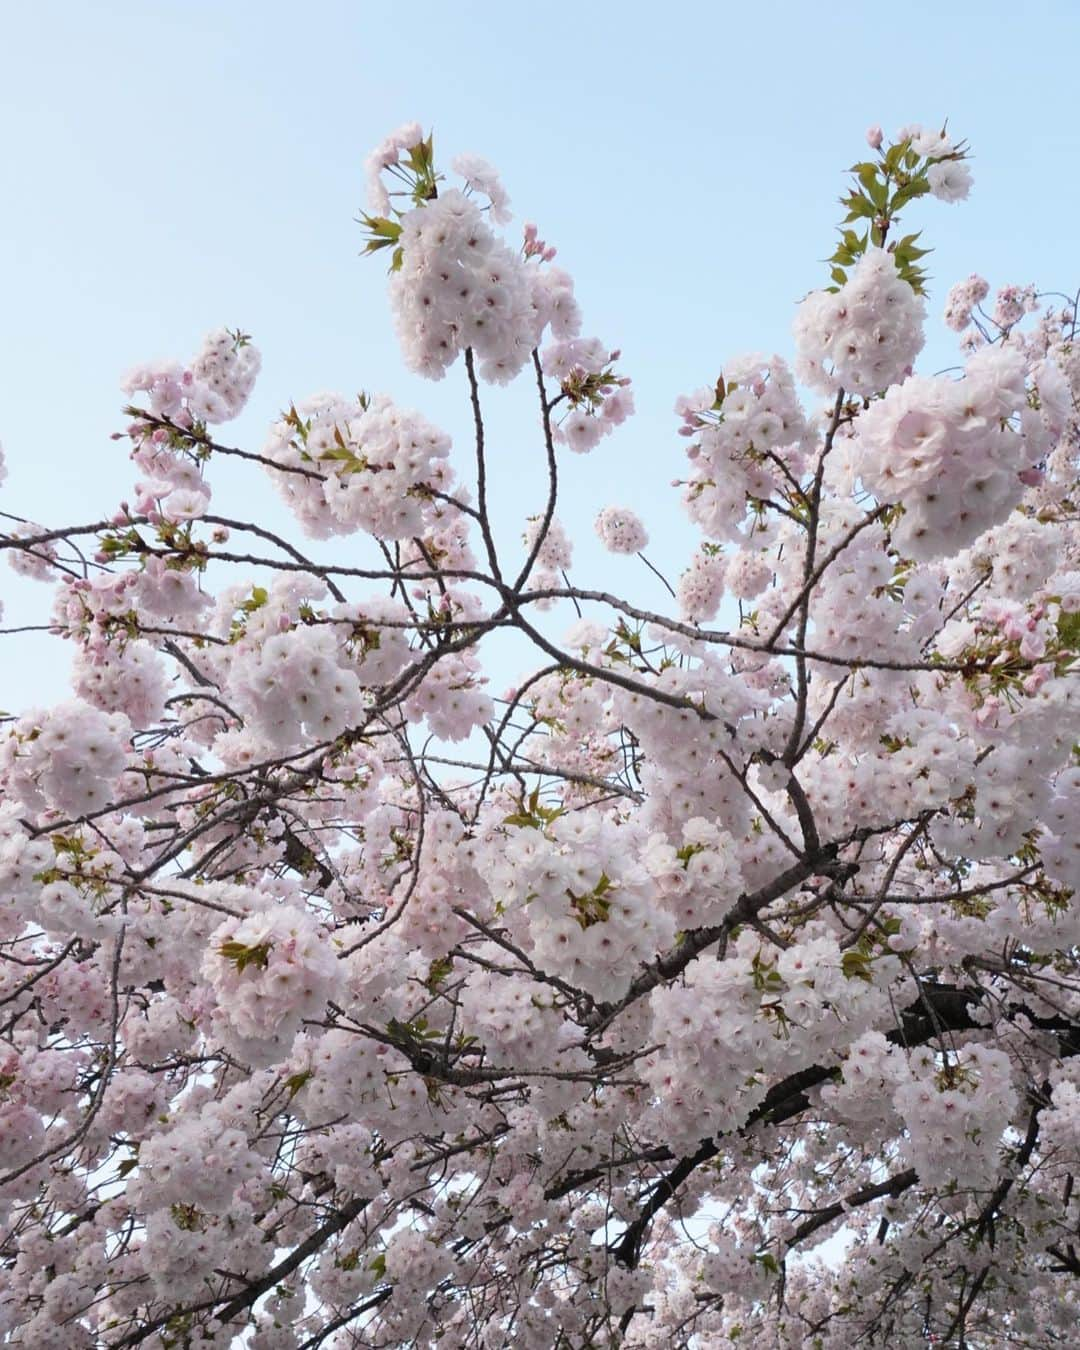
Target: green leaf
(917,187)
(437,973)
(874,185)
(258,598)
(859,207)
(893,157)
(856,965)
(243,956)
(297,1080)
(350,462)
(1068,630)
(382,228)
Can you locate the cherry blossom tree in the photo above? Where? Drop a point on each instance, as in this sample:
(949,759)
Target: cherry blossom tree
(343,1003)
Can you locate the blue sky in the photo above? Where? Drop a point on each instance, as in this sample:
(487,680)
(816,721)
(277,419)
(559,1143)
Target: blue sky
(173,167)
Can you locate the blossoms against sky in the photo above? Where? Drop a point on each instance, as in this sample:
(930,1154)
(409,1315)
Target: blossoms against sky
(347,996)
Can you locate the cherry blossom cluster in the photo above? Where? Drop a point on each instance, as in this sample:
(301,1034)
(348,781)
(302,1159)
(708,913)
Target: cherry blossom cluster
(963,299)
(865,336)
(746,432)
(551,550)
(947,452)
(213,388)
(455,286)
(734,1024)
(579,902)
(353,989)
(955,1114)
(350,465)
(599,400)
(459,288)
(68,759)
(268,972)
(621,531)
(948,177)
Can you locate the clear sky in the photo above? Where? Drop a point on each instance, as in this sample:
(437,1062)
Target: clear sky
(172,167)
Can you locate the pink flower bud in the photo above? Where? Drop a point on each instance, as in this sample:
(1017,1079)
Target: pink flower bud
(1038,677)
(1032,646)
(989,711)
(874,137)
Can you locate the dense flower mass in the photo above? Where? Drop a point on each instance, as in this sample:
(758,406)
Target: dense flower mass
(348,997)
(748,431)
(69,759)
(621,531)
(866,335)
(951,452)
(214,388)
(268,972)
(458,289)
(364,464)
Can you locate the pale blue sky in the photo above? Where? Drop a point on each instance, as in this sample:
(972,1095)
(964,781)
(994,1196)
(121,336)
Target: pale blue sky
(173,167)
